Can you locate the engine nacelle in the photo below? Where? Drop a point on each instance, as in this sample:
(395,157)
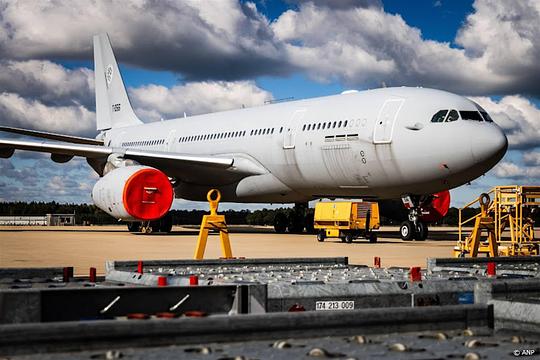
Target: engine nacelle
(134,193)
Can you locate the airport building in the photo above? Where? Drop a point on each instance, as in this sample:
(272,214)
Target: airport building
(39,220)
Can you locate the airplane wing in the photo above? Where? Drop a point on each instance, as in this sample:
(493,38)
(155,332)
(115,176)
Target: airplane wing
(64,152)
(52,136)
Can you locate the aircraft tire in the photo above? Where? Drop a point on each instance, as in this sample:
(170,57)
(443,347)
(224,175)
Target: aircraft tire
(421,232)
(165,224)
(134,227)
(296,224)
(280,223)
(406,230)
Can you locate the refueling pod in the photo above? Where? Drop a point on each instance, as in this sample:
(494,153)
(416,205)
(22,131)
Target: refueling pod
(134,193)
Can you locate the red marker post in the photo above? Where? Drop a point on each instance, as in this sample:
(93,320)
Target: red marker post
(93,274)
(377,262)
(68,273)
(140,267)
(162,281)
(193,280)
(415,273)
(491,269)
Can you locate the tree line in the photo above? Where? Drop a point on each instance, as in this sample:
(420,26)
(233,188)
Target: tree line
(392,213)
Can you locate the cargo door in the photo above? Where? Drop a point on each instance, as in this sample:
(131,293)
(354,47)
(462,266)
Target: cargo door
(384,127)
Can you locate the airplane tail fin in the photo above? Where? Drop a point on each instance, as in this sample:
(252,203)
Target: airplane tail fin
(113,108)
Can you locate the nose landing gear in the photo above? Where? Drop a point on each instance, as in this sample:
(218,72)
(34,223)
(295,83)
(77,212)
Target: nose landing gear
(414,227)
(410,230)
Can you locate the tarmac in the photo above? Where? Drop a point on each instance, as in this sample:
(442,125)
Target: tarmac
(85,247)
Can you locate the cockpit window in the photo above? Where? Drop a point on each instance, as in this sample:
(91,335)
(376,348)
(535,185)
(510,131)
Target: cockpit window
(486,116)
(452,116)
(471,115)
(439,116)
(484,113)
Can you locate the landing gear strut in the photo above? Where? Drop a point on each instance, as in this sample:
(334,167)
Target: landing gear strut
(414,228)
(296,221)
(147,227)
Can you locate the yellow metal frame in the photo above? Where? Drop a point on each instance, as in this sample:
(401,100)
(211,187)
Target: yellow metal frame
(509,208)
(213,222)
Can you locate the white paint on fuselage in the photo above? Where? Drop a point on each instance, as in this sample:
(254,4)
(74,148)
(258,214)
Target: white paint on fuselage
(416,156)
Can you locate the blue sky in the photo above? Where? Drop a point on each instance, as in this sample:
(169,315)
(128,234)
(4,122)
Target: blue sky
(265,48)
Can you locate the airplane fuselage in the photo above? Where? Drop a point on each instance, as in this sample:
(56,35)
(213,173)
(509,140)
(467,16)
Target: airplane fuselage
(377,143)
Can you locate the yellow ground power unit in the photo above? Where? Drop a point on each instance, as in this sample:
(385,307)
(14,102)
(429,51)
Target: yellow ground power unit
(506,219)
(346,220)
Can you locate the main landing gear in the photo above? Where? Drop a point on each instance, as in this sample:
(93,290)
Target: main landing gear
(163,225)
(414,228)
(300,218)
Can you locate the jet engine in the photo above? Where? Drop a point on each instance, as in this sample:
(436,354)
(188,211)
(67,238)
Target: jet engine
(134,193)
(437,208)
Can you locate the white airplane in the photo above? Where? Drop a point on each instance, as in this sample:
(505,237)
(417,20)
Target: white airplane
(409,143)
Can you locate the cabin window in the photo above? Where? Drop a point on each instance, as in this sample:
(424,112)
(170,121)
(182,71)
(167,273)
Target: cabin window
(334,125)
(339,124)
(281,129)
(318,126)
(452,116)
(439,116)
(345,123)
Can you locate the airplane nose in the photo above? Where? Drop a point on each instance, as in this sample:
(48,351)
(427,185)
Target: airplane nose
(489,145)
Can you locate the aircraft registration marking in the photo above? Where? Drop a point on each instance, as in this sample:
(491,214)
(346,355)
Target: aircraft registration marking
(334,305)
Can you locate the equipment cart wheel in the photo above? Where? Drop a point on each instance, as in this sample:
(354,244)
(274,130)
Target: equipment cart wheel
(349,238)
(372,237)
(406,230)
(321,235)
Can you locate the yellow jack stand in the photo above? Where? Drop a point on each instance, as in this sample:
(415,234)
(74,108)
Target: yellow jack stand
(213,222)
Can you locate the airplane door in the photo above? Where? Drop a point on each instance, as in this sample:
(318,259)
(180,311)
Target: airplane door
(384,127)
(171,140)
(289,133)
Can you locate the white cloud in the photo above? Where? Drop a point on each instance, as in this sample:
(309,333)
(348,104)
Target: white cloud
(532,158)
(46,96)
(153,102)
(519,118)
(220,39)
(20,112)
(367,45)
(352,41)
(514,171)
(48,82)
(506,37)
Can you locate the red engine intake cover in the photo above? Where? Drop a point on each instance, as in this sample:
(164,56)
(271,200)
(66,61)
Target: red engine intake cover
(438,208)
(148,194)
